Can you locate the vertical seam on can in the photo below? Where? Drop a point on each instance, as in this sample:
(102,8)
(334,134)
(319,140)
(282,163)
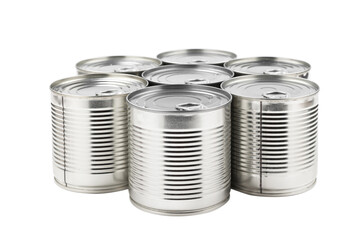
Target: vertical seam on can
(261,191)
(63,119)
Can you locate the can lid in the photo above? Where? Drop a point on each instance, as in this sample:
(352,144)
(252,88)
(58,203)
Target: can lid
(179,98)
(98,85)
(196,56)
(268,65)
(270,87)
(117,64)
(188,74)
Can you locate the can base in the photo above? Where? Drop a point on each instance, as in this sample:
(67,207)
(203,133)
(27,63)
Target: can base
(276,194)
(179,212)
(91,190)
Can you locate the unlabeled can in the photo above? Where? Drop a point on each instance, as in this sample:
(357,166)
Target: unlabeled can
(117,64)
(179,149)
(274,134)
(269,66)
(89,125)
(196,57)
(188,74)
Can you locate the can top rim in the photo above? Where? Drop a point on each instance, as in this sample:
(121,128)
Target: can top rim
(109,78)
(177,88)
(234,64)
(80,66)
(156,75)
(272,87)
(210,52)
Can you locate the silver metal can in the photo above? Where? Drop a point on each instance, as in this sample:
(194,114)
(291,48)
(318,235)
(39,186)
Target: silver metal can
(179,149)
(269,66)
(196,57)
(89,125)
(117,64)
(188,74)
(274,134)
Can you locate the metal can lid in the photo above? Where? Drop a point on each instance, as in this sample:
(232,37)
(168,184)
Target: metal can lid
(196,56)
(188,74)
(98,85)
(117,64)
(179,98)
(268,65)
(270,87)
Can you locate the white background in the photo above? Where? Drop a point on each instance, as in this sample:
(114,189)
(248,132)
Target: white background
(42,40)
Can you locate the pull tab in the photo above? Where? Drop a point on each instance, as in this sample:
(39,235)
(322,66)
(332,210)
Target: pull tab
(275,95)
(275,72)
(190,106)
(122,69)
(198,61)
(196,81)
(107,92)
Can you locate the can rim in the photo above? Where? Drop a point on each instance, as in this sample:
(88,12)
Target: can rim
(192,66)
(203,50)
(283,59)
(276,77)
(177,86)
(94,75)
(100,59)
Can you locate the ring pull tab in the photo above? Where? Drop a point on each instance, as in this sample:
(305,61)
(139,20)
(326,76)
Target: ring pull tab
(276,95)
(109,92)
(198,61)
(275,72)
(121,69)
(196,81)
(190,106)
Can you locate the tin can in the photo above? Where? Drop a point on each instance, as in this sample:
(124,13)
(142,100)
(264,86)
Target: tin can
(179,149)
(117,64)
(274,134)
(196,57)
(269,66)
(188,74)
(89,125)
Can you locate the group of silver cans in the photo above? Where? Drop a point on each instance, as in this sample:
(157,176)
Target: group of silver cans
(181,130)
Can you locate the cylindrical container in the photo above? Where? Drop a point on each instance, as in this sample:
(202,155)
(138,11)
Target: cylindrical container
(179,149)
(269,66)
(117,64)
(188,74)
(274,134)
(196,57)
(89,124)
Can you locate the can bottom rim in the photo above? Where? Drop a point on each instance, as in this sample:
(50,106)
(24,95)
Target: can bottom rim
(275,194)
(91,190)
(179,212)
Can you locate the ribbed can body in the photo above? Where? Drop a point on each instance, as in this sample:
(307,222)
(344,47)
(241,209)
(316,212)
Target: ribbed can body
(179,163)
(274,145)
(90,143)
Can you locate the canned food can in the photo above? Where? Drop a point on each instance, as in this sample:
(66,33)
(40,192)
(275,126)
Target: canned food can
(89,131)
(196,57)
(179,149)
(188,74)
(269,66)
(274,134)
(117,64)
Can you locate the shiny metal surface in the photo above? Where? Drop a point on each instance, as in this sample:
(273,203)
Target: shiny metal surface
(188,74)
(274,134)
(196,57)
(89,124)
(134,65)
(179,149)
(269,66)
